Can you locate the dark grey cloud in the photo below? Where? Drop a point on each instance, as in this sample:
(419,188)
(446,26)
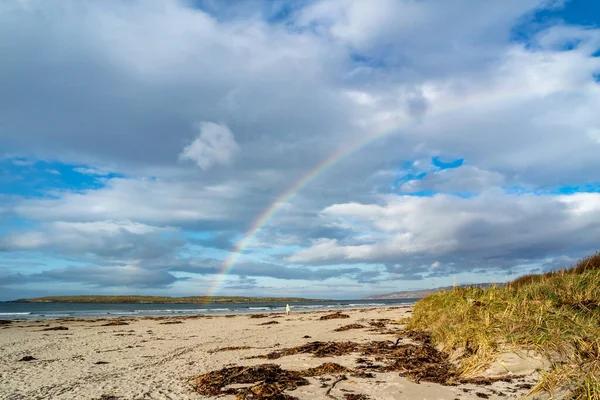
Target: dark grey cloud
(107,276)
(264,269)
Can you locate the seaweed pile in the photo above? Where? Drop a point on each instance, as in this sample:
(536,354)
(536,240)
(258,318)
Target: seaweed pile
(317,349)
(419,361)
(270,323)
(115,322)
(268,381)
(348,327)
(334,316)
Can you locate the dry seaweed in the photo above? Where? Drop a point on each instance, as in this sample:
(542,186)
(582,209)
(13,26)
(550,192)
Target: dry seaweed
(258,316)
(377,324)
(108,397)
(418,362)
(229,348)
(421,363)
(317,349)
(28,358)
(170,322)
(325,369)
(352,396)
(348,327)
(270,323)
(334,316)
(56,328)
(268,381)
(5,322)
(115,322)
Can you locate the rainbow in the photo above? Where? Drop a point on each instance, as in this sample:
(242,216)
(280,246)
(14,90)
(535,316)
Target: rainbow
(346,151)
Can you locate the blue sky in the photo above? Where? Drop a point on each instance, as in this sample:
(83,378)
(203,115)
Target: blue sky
(140,141)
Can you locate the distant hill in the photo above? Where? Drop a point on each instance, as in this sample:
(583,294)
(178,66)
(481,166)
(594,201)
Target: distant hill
(419,294)
(161,299)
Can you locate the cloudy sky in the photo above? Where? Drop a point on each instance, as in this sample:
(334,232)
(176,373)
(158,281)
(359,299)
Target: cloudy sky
(319,148)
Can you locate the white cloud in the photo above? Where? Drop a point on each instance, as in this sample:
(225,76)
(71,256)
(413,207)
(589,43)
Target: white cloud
(215,145)
(148,201)
(107,239)
(491,225)
(91,171)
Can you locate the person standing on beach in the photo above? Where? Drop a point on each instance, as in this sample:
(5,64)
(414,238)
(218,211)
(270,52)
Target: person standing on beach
(287,309)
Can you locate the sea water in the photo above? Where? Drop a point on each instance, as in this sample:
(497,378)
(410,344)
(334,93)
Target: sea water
(9,310)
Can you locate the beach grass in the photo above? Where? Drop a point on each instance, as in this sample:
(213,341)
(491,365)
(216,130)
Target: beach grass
(556,314)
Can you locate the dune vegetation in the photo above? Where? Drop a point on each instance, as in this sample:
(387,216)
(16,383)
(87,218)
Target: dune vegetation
(556,314)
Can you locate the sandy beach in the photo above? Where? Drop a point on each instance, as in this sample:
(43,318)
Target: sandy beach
(156,358)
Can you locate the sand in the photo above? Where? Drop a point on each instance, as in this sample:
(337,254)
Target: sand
(148,359)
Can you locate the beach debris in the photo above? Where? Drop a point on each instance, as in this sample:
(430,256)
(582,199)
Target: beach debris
(171,322)
(334,316)
(325,369)
(363,374)
(56,328)
(419,361)
(115,322)
(28,358)
(258,316)
(348,327)
(353,396)
(268,381)
(377,324)
(229,348)
(338,380)
(265,381)
(108,397)
(270,323)
(306,337)
(101,362)
(317,349)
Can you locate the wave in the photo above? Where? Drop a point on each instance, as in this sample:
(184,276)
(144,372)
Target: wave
(15,313)
(259,308)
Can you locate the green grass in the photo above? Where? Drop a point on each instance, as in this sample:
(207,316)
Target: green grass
(556,314)
(161,299)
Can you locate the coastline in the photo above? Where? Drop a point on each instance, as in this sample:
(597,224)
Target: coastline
(155,357)
(42,311)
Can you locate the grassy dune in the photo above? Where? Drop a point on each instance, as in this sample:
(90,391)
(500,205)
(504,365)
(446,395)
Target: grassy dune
(160,299)
(556,314)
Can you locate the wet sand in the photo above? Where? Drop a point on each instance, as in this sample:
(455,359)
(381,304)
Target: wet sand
(155,358)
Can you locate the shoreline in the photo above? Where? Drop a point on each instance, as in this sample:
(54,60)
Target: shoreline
(134,358)
(29,311)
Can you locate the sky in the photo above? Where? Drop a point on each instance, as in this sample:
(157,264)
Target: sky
(314,148)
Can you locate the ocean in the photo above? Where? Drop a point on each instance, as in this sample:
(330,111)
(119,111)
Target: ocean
(12,311)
